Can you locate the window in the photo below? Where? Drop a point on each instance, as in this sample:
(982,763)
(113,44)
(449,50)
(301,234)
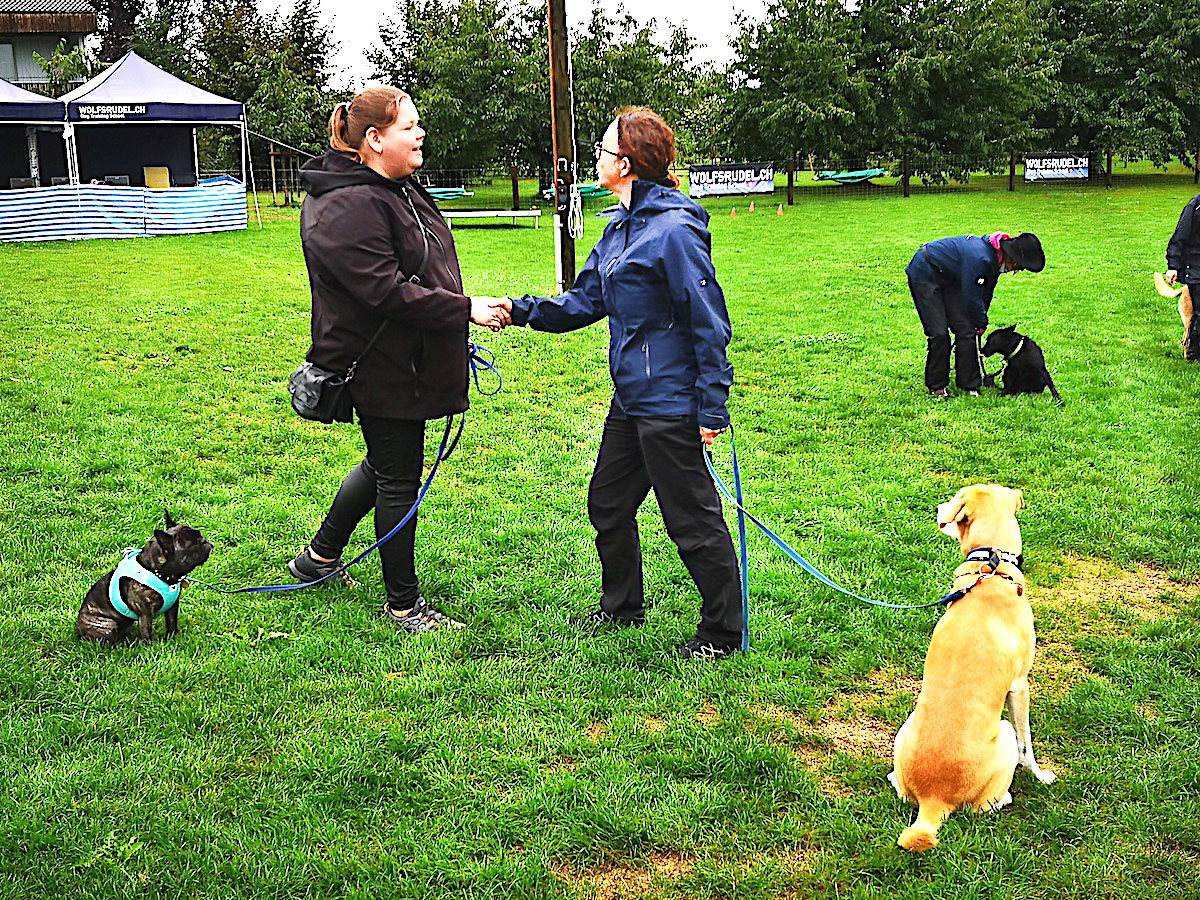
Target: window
(8,63)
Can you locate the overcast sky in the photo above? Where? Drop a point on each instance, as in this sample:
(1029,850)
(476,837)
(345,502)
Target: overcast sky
(356,26)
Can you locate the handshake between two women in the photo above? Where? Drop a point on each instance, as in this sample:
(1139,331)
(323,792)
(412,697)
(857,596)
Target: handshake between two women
(491,312)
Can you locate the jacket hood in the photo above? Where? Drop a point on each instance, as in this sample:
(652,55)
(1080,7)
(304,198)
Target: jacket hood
(649,197)
(336,170)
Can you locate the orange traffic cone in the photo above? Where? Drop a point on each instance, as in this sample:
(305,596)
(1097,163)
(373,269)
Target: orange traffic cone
(733,213)
(751,206)
(779,212)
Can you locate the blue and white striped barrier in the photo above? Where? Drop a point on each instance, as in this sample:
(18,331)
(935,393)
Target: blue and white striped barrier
(80,212)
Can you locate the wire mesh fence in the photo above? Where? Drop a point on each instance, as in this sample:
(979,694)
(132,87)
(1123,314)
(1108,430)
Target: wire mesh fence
(277,180)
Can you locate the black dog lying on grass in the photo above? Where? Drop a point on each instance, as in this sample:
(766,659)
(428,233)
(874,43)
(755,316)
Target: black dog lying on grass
(147,583)
(1024,369)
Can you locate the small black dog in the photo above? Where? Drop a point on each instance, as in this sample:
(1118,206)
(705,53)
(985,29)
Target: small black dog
(1025,369)
(171,555)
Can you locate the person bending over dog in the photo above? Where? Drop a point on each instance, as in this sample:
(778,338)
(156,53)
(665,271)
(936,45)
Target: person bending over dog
(378,251)
(1183,264)
(951,281)
(651,275)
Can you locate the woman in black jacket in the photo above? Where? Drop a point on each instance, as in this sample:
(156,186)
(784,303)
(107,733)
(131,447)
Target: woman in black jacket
(1183,264)
(377,250)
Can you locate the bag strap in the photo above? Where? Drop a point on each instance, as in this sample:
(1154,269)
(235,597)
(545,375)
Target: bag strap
(415,278)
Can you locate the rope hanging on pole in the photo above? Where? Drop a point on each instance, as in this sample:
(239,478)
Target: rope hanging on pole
(575,213)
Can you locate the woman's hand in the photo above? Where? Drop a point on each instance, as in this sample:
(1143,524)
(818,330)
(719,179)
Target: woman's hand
(1172,276)
(708,435)
(491,312)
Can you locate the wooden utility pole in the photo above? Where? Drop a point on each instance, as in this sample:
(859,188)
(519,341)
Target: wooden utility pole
(563,131)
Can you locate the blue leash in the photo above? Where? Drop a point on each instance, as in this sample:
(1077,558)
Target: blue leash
(477,360)
(779,542)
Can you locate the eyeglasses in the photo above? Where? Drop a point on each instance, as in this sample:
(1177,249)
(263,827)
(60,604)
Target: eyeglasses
(600,148)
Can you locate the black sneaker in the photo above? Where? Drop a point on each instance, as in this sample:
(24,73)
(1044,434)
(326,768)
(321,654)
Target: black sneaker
(598,617)
(422,617)
(697,648)
(306,570)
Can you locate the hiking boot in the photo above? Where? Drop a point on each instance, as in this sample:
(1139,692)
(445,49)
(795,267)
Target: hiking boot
(422,617)
(939,395)
(599,618)
(306,570)
(698,648)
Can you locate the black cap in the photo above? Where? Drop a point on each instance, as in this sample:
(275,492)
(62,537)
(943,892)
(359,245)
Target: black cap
(1025,250)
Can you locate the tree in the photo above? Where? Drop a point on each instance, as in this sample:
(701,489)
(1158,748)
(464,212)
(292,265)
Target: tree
(64,68)
(164,35)
(309,44)
(116,20)
(954,85)
(1126,77)
(466,65)
(287,106)
(798,86)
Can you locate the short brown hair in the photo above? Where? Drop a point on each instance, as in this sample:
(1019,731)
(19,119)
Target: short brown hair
(376,107)
(648,143)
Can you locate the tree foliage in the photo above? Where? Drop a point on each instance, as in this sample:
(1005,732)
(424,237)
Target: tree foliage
(466,65)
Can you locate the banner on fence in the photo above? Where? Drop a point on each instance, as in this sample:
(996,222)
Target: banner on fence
(1056,166)
(744,178)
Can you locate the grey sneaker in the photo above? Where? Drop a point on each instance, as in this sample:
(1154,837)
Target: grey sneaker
(972,393)
(598,617)
(306,570)
(423,617)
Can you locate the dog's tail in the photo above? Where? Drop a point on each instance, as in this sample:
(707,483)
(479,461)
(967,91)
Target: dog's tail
(921,835)
(1058,400)
(1160,284)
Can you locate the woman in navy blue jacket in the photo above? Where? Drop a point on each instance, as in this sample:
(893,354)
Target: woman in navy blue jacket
(651,275)
(951,281)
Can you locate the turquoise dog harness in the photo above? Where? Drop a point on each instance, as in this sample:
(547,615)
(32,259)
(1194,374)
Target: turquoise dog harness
(131,568)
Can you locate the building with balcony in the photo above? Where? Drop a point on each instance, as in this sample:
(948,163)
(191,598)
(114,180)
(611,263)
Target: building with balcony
(39,26)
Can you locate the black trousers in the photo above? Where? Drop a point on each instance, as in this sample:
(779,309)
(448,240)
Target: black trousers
(666,453)
(387,481)
(1193,348)
(941,314)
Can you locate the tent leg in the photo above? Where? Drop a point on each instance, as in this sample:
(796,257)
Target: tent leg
(246,159)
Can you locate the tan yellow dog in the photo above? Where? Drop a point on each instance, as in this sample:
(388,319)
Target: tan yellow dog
(1185,303)
(955,750)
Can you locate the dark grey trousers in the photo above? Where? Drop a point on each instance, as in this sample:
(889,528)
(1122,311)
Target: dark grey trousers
(940,315)
(636,454)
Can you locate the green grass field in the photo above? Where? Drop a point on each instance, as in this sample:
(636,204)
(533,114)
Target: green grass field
(295,745)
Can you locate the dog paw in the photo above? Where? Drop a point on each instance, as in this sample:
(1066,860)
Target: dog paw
(893,782)
(1045,776)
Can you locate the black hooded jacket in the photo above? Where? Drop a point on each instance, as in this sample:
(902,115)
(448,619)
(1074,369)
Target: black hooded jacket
(361,245)
(1183,250)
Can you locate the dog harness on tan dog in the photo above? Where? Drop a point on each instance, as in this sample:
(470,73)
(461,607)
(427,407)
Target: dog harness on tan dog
(129,567)
(990,560)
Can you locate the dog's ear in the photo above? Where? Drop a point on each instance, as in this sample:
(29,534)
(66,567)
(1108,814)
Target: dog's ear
(167,518)
(165,542)
(1018,501)
(953,514)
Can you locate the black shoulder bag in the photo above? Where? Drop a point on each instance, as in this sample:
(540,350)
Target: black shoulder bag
(323,396)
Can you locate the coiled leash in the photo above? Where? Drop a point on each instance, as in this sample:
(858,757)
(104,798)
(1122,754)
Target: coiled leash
(787,550)
(478,358)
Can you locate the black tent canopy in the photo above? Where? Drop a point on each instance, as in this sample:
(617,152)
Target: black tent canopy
(134,114)
(31,143)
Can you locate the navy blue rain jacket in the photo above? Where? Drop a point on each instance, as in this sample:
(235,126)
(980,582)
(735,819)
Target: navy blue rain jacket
(652,275)
(965,268)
